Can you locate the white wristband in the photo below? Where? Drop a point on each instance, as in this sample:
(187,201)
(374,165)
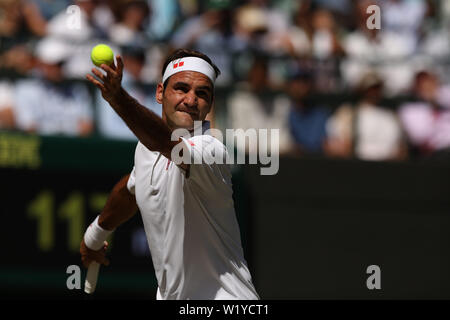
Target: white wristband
(95,236)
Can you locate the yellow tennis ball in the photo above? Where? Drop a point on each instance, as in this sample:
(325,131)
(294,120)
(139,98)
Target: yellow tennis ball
(102,54)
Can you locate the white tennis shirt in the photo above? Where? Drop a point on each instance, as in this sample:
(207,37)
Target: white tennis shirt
(191,225)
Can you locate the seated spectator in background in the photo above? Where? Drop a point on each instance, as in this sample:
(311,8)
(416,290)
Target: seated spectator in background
(18,59)
(164,15)
(404,17)
(260,26)
(297,40)
(20,22)
(366,130)
(306,120)
(46,105)
(129,30)
(49,8)
(66,25)
(6,105)
(210,33)
(110,125)
(341,8)
(427,120)
(95,20)
(325,42)
(386,52)
(254,106)
(325,48)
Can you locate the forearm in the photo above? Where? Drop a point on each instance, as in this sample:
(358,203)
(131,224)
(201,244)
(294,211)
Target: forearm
(145,124)
(120,206)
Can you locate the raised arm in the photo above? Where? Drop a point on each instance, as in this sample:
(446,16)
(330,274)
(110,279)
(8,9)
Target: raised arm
(145,124)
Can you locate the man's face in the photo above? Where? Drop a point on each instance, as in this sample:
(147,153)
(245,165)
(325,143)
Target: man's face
(298,89)
(188,97)
(52,72)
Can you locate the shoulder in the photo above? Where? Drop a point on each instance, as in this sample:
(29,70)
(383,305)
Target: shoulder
(142,153)
(28,90)
(27,83)
(206,142)
(206,149)
(205,139)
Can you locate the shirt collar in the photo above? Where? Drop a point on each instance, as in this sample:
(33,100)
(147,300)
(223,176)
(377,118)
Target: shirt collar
(206,125)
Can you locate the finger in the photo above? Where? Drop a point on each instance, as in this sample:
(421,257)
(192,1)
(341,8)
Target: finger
(102,259)
(119,64)
(99,74)
(97,83)
(86,262)
(99,259)
(113,65)
(110,72)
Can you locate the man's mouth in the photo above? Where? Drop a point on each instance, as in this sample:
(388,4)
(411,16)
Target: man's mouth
(191,113)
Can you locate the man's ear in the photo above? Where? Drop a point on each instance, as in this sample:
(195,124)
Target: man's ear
(159,93)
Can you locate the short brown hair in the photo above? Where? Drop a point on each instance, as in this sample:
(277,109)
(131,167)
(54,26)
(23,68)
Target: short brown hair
(181,53)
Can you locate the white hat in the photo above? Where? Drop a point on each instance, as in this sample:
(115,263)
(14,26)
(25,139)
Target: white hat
(52,50)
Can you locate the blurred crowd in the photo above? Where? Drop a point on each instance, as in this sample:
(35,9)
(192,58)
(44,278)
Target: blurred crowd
(311,68)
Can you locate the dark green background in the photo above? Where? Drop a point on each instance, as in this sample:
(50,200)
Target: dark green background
(309,232)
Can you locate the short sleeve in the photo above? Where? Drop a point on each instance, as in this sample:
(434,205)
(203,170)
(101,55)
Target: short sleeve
(205,150)
(132,182)
(207,158)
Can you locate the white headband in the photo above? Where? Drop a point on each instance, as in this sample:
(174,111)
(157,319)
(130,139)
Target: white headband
(189,64)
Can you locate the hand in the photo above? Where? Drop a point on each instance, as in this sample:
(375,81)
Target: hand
(110,84)
(88,255)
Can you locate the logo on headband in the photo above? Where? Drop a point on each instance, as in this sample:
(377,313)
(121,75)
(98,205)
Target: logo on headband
(178,64)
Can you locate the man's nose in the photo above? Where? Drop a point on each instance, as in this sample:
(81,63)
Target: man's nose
(190,100)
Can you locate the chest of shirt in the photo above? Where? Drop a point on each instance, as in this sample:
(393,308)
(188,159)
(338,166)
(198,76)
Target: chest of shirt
(159,182)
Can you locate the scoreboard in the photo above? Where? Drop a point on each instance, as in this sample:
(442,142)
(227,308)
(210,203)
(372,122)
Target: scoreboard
(51,189)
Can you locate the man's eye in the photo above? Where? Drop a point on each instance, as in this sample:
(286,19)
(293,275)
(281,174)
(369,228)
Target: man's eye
(202,94)
(182,89)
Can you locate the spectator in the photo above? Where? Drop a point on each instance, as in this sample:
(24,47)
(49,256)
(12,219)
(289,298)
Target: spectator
(386,52)
(306,120)
(435,42)
(427,119)
(404,17)
(163,18)
(326,49)
(340,8)
(324,39)
(18,59)
(46,104)
(82,27)
(6,105)
(49,8)
(211,34)
(367,130)
(314,32)
(129,30)
(253,106)
(81,34)
(297,41)
(19,20)
(260,27)
(109,123)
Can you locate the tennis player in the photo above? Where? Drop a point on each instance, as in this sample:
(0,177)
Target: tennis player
(187,208)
